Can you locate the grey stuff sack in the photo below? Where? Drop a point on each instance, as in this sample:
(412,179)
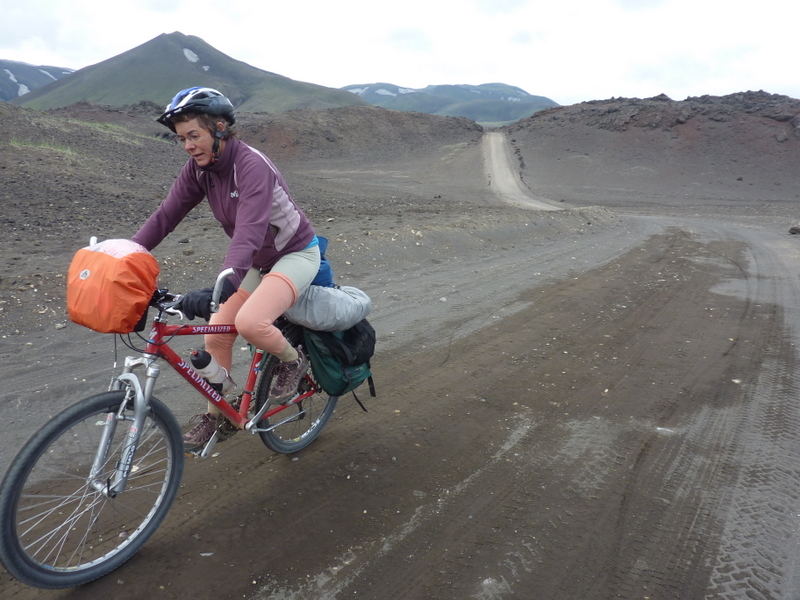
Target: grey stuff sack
(330,308)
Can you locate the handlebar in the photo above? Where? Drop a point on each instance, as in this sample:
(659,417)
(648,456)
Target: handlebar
(218,288)
(163,300)
(171,303)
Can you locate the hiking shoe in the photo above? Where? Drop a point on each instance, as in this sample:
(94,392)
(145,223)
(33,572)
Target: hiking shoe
(198,436)
(288,377)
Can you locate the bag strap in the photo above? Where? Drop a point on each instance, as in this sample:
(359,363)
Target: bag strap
(338,347)
(364,408)
(371,393)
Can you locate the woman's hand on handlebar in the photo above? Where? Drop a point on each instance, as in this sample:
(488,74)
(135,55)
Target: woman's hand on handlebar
(197,303)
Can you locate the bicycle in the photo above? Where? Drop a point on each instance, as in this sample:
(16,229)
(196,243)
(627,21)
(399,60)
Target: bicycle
(96,481)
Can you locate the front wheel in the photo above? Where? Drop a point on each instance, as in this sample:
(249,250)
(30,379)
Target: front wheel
(59,527)
(297,425)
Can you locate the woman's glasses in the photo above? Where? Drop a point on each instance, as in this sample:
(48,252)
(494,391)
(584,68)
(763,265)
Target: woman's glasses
(192,137)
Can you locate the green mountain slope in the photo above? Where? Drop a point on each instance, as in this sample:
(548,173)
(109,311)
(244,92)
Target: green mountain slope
(157,69)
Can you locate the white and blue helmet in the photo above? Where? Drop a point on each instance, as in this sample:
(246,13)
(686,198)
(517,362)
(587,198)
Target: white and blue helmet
(198,100)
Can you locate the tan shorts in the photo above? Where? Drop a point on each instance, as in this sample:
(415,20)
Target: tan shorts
(299,267)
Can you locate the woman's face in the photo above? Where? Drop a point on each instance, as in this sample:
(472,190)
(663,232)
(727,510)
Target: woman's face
(197,141)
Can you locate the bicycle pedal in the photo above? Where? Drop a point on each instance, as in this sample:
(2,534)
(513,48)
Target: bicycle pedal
(210,445)
(203,451)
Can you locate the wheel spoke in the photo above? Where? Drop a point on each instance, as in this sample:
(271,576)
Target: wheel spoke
(297,425)
(58,528)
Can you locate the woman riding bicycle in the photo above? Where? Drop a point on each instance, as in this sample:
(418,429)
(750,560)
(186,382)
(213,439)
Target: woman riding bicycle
(273,249)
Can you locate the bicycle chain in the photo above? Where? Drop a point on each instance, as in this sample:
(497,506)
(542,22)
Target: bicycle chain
(225,428)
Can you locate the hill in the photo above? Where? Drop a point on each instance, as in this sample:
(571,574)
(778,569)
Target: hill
(707,149)
(155,70)
(93,167)
(19,78)
(490,103)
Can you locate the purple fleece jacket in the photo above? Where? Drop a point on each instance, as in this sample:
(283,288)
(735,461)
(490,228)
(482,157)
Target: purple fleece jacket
(248,196)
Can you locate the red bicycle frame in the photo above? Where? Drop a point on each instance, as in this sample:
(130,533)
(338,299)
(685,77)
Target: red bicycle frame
(156,346)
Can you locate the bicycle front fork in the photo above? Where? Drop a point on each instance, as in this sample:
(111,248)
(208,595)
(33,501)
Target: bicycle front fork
(129,382)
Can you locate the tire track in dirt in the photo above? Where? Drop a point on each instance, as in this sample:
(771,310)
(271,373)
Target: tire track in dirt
(580,447)
(647,337)
(760,537)
(584,511)
(684,469)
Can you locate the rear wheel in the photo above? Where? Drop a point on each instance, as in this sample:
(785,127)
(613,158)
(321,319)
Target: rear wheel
(298,424)
(58,525)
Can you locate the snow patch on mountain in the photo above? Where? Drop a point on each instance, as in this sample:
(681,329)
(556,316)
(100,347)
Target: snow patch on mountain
(22,89)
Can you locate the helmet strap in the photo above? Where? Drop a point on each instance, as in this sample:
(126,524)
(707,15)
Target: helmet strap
(218,135)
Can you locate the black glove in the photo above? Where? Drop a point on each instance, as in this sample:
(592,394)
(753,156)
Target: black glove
(197,303)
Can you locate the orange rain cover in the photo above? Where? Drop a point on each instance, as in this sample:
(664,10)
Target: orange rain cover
(110,284)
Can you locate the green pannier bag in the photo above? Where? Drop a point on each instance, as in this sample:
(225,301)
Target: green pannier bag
(340,359)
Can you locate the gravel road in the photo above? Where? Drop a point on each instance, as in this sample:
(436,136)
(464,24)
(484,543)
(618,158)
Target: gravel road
(576,403)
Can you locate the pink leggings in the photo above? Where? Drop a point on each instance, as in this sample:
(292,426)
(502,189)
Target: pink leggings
(254,315)
(255,312)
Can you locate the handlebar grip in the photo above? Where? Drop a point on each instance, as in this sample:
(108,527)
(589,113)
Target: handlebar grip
(218,288)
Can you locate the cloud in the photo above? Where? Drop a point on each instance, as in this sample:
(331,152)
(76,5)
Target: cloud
(499,6)
(28,31)
(581,50)
(638,5)
(71,35)
(523,38)
(410,39)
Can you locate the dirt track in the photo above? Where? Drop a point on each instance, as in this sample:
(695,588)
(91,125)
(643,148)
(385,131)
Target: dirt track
(572,404)
(506,182)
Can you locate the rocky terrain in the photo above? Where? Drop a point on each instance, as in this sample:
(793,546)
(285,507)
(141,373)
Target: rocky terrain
(597,401)
(708,150)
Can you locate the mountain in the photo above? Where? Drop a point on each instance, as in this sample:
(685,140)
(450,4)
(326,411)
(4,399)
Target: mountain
(170,62)
(157,69)
(18,78)
(485,103)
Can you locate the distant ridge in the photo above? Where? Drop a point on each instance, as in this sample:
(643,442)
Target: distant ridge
(19,78)
(487,103)
(157,69)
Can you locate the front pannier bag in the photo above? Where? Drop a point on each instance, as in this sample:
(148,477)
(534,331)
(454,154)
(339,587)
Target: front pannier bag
(110,284)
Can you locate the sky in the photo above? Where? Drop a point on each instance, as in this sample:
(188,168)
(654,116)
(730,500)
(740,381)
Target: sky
(569,51)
